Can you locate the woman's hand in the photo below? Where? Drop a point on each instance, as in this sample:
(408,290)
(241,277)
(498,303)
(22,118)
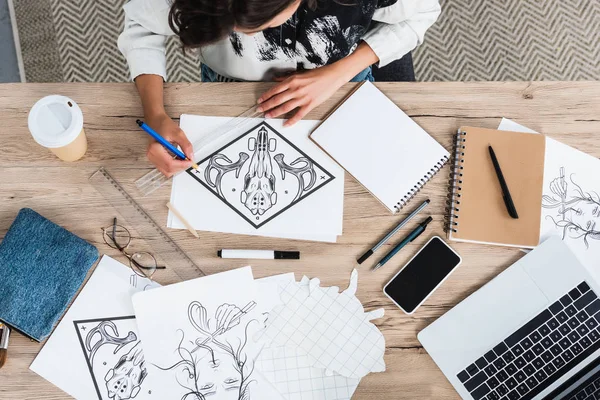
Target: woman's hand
(158,155)
(308,89)
(305,91)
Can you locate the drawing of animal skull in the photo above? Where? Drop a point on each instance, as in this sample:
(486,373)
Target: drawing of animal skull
(124,380)
(104,337)
(259,193)
(298,172)
(215,165)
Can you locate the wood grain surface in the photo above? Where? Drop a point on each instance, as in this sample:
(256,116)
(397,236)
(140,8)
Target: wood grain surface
(30,176)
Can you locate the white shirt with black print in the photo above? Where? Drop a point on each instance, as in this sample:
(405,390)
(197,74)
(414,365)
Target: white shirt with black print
(309,39)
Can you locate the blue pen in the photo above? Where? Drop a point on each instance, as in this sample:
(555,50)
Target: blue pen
(164,142)
(409,238)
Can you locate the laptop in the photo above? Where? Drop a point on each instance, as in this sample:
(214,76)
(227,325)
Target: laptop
(530,333)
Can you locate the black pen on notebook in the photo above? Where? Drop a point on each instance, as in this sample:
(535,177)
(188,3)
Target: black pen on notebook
(508,201)
(4,335)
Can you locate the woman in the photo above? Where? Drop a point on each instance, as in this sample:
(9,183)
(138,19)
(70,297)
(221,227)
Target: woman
(311,47)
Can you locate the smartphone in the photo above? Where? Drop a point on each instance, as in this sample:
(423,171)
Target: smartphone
(424,273)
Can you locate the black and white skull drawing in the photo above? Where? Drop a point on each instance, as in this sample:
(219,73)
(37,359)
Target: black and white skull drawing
(259,186)
(259,183)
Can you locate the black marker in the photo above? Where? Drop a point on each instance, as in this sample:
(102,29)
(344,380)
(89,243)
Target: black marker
(260,254)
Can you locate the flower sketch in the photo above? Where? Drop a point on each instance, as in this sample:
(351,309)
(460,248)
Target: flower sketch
(575,211)
(214,363)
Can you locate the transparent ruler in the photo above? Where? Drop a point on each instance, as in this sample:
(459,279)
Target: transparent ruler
(159,241)
(153,180)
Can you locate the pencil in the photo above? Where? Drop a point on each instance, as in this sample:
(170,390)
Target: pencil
(164,142)
(183,220)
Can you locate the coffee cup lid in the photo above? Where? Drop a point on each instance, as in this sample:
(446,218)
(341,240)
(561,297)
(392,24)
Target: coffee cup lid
(55,121)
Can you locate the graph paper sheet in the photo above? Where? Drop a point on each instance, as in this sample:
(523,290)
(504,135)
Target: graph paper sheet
(330,328)
(291,373)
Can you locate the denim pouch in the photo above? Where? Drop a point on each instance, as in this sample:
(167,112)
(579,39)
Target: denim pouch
(42,266)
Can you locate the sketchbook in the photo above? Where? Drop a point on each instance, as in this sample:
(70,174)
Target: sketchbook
(553,185)
(267,181)
(380,146)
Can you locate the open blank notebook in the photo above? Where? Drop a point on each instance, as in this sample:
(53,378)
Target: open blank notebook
(381,146)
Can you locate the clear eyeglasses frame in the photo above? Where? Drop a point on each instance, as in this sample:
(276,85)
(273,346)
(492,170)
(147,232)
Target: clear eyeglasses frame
(142,263)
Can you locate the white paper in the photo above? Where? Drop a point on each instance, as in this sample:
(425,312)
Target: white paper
(570,198)
(330,328)
(197,337)
(101,317)
(290,370)
(269,290)
(571,202)
(228,206)
(510,125)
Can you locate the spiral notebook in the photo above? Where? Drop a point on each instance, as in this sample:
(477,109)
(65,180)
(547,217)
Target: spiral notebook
(380,146)
(477,212)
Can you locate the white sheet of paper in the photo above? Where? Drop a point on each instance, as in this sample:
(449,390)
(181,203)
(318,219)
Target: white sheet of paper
(571,202)
(571,198)
(331,328)
(510,125)
(197,337)
(317,216)
(269,290)
(290,370)
(102,315)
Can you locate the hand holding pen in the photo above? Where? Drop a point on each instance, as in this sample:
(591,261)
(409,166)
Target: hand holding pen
(159,155)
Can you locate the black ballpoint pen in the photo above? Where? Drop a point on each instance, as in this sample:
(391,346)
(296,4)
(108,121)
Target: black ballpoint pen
(508,201)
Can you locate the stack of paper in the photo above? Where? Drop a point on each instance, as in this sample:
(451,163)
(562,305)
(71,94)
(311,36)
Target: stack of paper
(320,342)
(215,336)
(95,351)
(266,180)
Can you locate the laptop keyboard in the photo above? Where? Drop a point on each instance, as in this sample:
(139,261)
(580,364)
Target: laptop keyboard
(590,390)
(540,352)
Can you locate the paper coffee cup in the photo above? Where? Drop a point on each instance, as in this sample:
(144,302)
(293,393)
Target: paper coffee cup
(56,122)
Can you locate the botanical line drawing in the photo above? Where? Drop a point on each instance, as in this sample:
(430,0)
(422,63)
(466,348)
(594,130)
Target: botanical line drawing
(575,211)
(260,184)
(214,363)
(120,372)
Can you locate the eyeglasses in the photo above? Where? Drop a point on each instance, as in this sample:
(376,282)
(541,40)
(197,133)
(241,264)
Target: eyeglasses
(142,263)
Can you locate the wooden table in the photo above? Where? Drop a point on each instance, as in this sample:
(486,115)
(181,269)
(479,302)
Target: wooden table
(30,176)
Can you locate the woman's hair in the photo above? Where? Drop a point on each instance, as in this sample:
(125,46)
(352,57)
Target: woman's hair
(202,22)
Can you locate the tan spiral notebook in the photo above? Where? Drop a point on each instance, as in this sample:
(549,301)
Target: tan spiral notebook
(476,209)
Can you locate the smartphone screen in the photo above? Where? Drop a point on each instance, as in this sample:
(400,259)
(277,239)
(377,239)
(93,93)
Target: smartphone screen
(422,275)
